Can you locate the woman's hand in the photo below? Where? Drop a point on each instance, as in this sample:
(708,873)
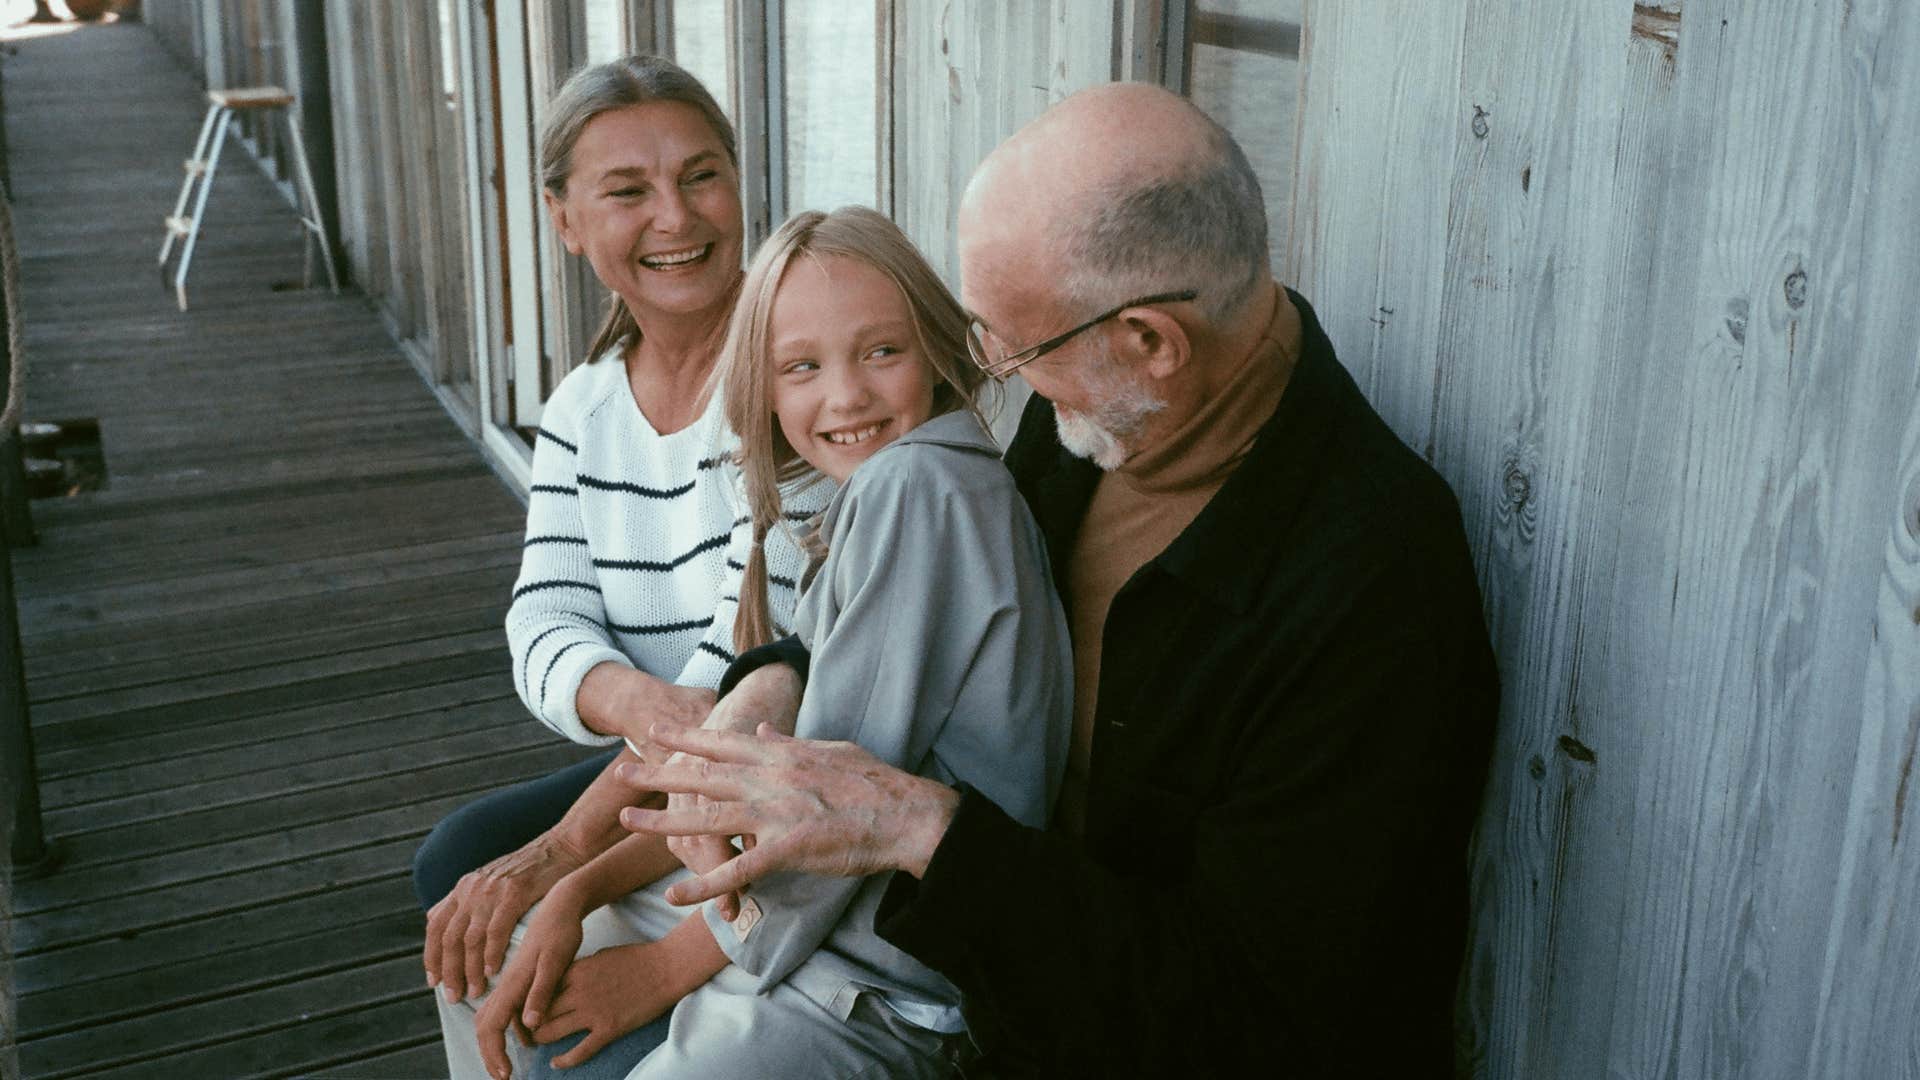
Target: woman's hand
(618,700)
(606,995)
(525,989)
(468,930)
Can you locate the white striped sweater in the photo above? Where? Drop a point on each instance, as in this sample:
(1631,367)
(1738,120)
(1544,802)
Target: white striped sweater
(634,546)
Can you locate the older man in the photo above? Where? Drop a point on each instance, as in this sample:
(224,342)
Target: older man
(1284,694)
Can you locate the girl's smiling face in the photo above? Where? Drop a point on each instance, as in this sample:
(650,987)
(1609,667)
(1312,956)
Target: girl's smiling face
(848,372)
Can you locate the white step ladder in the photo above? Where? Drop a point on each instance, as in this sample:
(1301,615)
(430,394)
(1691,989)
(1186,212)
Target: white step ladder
(222,105)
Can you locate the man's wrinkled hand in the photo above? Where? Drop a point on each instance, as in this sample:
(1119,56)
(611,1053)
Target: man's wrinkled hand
(769,695)
(468,930)
(827,808)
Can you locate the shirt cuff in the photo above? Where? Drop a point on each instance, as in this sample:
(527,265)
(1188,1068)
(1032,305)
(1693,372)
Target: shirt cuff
(787,650)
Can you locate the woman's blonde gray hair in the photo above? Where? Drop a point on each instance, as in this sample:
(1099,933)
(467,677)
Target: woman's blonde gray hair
(744,372)
(617,84)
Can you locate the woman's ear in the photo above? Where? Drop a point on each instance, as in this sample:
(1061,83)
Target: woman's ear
(562,226)
(1155,341)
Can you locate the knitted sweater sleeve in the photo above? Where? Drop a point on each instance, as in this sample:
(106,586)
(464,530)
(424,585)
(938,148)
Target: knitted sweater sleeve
(557,624)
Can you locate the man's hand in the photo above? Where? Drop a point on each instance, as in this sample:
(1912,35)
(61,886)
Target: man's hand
(468,930)
(815,807)
(769,695)
(521,998)
(618,700)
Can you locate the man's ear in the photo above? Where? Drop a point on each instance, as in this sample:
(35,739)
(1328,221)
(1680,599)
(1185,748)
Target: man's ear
(557,213)
(1156,340)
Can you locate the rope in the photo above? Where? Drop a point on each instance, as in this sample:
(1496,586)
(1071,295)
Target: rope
(10,296)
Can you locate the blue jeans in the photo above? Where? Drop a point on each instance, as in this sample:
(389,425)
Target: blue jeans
(489,827)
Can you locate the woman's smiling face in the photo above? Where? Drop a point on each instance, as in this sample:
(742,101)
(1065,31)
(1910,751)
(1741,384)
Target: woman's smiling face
(848,373)
(653,202)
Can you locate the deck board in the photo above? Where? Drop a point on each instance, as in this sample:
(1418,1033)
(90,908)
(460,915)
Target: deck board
(267,657)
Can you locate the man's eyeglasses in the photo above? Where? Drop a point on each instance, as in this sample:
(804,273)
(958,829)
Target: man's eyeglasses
(999,364)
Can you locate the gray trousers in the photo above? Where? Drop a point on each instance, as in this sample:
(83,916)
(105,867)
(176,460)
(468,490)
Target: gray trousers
(724,1029)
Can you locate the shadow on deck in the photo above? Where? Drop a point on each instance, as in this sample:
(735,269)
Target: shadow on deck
(267,657)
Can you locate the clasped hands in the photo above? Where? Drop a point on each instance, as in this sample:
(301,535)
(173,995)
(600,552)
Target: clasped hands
(828,808)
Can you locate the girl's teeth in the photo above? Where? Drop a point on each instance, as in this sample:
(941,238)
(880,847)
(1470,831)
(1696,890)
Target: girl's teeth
(847,438)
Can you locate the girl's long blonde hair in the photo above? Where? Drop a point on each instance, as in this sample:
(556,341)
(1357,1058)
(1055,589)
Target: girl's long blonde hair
(745,367)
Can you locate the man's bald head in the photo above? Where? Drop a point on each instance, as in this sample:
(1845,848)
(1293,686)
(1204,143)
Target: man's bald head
(1121,190)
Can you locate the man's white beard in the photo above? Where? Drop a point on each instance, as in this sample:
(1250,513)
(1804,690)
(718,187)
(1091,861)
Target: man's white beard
(1121,408)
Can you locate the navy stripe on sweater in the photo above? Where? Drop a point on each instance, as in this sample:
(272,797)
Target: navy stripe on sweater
(532,540)
(558,653)
(598,484)
(662,628)
(675,563)
(558,441)
(526,668)
(774,579)
(537,586)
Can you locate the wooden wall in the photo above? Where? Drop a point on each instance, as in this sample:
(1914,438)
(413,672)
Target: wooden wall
(1641,280)
(967,74)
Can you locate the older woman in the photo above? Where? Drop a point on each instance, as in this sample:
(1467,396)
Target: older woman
(622,614)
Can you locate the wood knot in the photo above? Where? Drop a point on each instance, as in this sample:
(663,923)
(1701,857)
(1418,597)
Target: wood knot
(1577,750)
(1796,289)
(1737,310)
(1526,178)
(1517,503)
(1658,24)
(1537,767)
(1479,122)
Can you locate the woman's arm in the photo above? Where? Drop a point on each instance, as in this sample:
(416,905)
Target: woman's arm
(557,624)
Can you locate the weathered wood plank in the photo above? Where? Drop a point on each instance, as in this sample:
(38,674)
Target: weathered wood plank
(84,731)
(267,657)
(166,801)
(257,622)
(462,614)
(1633,277)
(174,1031)
(86,998)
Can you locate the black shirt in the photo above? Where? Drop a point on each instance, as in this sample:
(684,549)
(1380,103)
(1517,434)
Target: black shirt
(1295,709)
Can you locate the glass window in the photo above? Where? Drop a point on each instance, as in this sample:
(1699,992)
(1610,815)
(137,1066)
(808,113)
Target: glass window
(701,45)
(831,60)
(1243,68)
(606,31)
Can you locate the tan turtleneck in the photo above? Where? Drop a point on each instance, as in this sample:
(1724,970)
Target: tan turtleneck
(1142,506)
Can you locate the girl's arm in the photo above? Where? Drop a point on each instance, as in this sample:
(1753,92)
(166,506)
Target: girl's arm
(616,990)
(524,995)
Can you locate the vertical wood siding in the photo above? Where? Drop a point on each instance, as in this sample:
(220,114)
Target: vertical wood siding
(1639,279)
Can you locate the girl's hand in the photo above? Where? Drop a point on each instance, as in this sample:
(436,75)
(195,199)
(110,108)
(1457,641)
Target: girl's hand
(608,994)
(525,989)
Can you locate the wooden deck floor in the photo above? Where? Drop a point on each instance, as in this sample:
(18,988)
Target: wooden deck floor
(268,657)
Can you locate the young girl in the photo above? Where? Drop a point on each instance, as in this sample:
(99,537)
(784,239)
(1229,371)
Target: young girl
(937,644)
